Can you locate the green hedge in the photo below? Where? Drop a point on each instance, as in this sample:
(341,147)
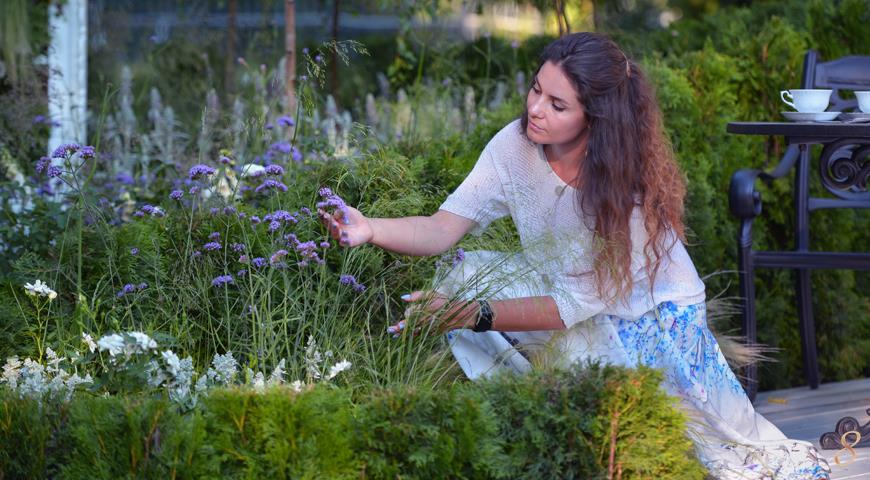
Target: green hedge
(542,425)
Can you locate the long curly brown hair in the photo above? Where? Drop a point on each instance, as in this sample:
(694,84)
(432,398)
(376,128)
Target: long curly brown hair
(629,158)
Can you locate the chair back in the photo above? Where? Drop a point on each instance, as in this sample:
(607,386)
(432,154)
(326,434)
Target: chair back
(845,73)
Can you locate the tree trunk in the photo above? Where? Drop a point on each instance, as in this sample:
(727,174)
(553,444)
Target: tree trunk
(333,71)
(290,56)
(232,39)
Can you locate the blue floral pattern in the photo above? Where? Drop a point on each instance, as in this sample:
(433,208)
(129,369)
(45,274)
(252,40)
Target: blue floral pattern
(676,339)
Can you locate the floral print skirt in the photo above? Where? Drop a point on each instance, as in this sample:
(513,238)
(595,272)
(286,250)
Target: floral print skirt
(731,439)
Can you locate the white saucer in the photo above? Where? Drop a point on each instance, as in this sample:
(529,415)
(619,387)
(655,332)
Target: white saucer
(811,116)
(855,117)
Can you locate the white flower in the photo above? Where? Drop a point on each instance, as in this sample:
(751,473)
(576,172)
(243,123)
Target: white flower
(86,338)
(41,289)
(338,368)
(224,368)
(11,372)
(259,382)
(173,363)
(277,375)
(114,343)
(252,170)
(143,341)
(296,385)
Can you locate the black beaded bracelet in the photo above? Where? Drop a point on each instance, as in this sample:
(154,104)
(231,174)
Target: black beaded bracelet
(484,317)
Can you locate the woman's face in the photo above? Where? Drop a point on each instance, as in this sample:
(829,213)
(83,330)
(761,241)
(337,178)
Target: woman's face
(556,115)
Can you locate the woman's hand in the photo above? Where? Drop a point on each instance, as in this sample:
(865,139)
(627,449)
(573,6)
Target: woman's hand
(428,305)
(350,230)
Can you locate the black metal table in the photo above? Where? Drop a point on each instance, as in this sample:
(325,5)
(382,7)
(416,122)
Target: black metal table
(844,168)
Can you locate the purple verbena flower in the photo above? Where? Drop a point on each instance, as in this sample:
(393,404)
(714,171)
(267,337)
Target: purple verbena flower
(176,194)
(238,247)
(258,262)
(271,185)
(149,209)
(282,147)
(134,251)
(330,199)
(277,256)
(87,152)
(324,244)
(305,210)
(275,170)
(125,178)
(54,171)
(459,256)
(241,273)
(142,286)
(255,220)
(127,289)
(229,210)
(296,155)
(346,279)
(201,170)
(286,121)
(212,246)
(225,160)
(213,211)
(269,126)
(66,149)
(193,190)
(138,214)
(244,259)
(274,225)
(222,280)
(42,164)
(214,235)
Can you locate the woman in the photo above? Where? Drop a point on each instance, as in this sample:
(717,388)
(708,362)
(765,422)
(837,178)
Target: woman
(590,181)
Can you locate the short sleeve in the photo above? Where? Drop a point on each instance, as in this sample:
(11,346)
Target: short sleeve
(576,297)
(481,196)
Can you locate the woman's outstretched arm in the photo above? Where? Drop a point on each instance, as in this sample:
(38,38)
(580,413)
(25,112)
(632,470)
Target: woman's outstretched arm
(416,236)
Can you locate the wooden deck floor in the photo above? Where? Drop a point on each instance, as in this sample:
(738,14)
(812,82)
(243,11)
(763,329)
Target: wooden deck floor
(806,414)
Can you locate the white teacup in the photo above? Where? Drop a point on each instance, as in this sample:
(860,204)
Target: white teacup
(808,100)
(863,101)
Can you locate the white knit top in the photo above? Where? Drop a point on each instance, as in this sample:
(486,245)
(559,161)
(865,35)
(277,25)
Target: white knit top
(512,177)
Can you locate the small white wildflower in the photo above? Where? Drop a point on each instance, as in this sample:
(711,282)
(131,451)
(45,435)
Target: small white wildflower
(259,382)
(89,342)
(296,385)
(312,358)
(277,376)
(224,369)
(32,380)
(41,289)
(53,360)
(11,372)
(338,368)
(143,341)
(114,343)
(201,384)
(156,376)
(173,363)
(252,170)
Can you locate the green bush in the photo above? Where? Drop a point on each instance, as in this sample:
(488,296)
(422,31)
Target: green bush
(556,424)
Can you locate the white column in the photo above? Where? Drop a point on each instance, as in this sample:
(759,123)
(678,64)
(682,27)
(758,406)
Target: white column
(68,71)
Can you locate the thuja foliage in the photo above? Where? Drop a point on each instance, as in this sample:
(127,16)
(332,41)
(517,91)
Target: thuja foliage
(543,425)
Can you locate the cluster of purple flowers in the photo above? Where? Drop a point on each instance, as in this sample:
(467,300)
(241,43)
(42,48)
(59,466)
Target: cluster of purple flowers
(279,149)
(212,246)
(274,170)
(65,150)
(307,250)
(130,288)
(458,257)
(238,247)
(149,210)
(176,194)
(198,171)
(214,236)
(286,121)
(270,184)
(330,199)
(134,251)
(43,165)
(346,279)
(222,280)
